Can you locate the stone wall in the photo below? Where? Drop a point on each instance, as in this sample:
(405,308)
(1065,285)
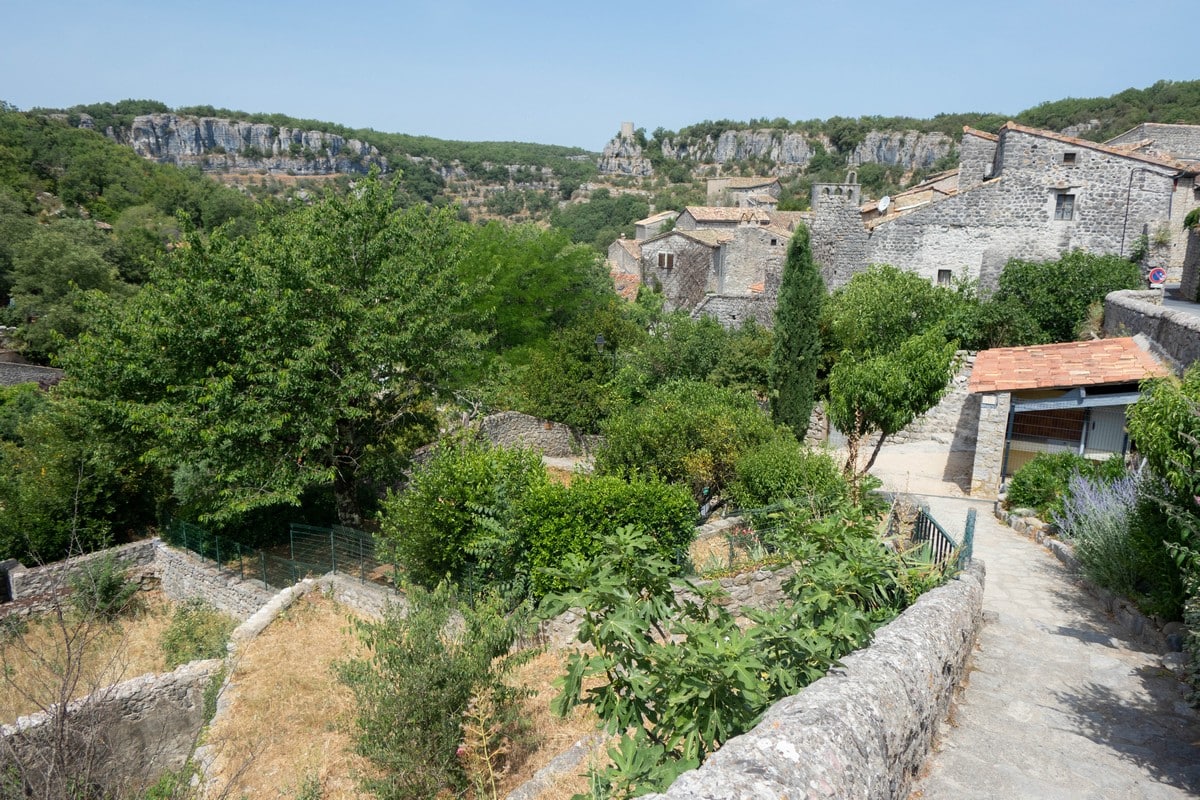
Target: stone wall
(369,598)
(1189,281)
(838,238)
(554,439)
(38,589)
(954,419)
(692,273)
(986,472)
(12,373)
(1175,141)
(138,729)
(975,161)
(974,233)
(864,730)
(758,589)
(749,257)
(733,310)
(183,576)
(1175,335)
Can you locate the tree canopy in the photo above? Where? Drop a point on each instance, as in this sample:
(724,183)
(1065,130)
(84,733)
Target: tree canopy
(258,368)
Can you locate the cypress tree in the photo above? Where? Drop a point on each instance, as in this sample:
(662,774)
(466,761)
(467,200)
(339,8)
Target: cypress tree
(797,348)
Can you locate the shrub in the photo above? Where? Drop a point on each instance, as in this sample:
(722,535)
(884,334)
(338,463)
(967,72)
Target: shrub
(784,469)
(676,676)
(436,527)
(425,665)
(557,521)
(686,432)
(196,631)
(103,589)
(1096,514)
(1042,483)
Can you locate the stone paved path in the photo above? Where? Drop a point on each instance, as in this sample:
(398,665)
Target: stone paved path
(1060,702)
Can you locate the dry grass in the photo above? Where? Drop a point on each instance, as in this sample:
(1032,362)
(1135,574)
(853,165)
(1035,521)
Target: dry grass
(118,651)
(550,735)
(292,721)
(288,716)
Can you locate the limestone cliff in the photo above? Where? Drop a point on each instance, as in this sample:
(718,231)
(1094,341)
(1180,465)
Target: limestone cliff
(228,145)
(908,149)
(623,156)
(789,151)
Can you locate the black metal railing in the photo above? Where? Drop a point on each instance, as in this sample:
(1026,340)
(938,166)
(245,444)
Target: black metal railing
(919,527)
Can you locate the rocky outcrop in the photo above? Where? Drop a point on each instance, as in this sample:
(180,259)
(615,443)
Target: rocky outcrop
(227,145)
(791,151)
(623,156)
(907,149)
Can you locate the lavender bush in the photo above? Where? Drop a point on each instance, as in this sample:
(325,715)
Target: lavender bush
(1097,516)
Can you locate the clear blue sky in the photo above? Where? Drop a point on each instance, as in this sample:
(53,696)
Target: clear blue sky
(570,72)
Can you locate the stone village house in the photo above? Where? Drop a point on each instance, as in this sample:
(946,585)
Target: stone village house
(1019,193)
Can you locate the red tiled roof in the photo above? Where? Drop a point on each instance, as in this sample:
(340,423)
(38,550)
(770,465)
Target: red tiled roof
(727,214)
(626,285)
(991,137)
(1061,366)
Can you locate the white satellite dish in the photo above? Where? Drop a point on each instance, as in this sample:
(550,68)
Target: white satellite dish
(884,203)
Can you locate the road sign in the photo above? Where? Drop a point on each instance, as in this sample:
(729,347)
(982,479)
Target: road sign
(1157,276)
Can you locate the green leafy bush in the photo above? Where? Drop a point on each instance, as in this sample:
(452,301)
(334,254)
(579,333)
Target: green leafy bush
(677,676)
(1042,483)
(556,521)
(437,526)
(196,631)
(783,469)
(425,665)
(686,432)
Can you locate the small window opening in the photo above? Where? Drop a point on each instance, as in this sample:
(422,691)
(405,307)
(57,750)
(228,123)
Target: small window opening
(943,278)
(1064,206)
(1070,159)
(666,260)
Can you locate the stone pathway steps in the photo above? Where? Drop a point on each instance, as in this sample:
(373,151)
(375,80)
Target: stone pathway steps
(1060,702)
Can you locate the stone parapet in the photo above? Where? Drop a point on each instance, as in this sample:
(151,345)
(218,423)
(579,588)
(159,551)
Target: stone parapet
(1175,335)
(864,730)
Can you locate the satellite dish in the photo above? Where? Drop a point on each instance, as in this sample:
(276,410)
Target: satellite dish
(884,203)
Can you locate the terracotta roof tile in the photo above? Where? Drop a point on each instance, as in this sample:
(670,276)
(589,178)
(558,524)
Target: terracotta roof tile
(626,285)
(748,183)
(726,214)
(631,246)
(659,217)
(1062,366)
(991,137)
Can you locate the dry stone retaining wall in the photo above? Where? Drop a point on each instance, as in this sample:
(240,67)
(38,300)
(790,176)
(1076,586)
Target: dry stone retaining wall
(554,439)
(184,576)
(34,590)
(863,730)
(140,728)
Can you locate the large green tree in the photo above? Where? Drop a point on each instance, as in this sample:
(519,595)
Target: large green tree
(258,368)
(796,354)
(879,394)
(888,358)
